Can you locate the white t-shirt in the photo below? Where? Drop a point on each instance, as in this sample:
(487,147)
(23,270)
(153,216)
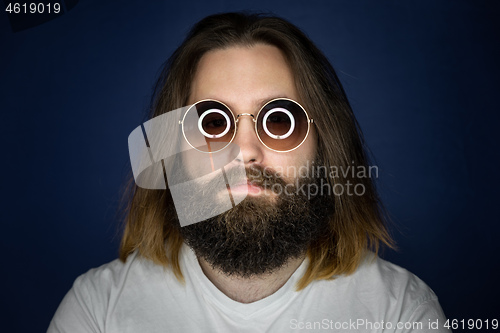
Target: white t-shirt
(141,297)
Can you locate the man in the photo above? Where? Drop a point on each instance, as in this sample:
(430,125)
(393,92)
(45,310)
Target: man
(291,249)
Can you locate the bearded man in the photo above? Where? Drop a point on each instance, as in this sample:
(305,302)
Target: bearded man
(291,251)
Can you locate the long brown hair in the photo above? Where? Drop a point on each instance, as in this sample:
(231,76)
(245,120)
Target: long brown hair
(358,222)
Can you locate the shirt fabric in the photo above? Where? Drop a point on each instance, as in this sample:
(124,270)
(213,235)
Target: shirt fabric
(142,297)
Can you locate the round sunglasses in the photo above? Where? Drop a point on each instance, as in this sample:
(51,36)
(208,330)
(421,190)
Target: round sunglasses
(281,125)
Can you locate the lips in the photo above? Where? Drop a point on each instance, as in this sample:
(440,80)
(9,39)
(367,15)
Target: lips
(246,187)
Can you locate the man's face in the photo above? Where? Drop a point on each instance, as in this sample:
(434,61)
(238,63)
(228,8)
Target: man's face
(245,78)
(266,229)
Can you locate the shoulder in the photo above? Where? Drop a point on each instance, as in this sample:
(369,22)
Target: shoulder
(393,281)
(379,291)
(85,306)
(106,284)
(107,275)
(393,293)
(99,281)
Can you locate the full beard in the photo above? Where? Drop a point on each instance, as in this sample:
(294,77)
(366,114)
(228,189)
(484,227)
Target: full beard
(261,234)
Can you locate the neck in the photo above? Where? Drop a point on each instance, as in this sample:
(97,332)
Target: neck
(251,289)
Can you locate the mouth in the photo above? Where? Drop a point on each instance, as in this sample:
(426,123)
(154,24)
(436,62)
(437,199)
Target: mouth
(247,188)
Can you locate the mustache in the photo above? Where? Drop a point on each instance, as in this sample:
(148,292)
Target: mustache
(264,177)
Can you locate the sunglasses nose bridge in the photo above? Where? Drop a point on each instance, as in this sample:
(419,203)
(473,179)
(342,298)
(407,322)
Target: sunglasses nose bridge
(245,114)
(239,124)
(247,139)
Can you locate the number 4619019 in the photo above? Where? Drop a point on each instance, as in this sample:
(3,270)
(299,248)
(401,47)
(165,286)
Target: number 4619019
(471,324)
(33,8)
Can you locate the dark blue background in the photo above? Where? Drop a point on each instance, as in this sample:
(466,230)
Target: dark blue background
(422,77)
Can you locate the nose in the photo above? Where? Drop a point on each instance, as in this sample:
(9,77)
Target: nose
(246,139)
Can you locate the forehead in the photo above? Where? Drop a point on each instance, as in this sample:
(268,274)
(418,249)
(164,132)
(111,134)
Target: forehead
(243,77)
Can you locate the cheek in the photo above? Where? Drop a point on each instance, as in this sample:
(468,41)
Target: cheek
(302,158)
(293,164)
(308,150)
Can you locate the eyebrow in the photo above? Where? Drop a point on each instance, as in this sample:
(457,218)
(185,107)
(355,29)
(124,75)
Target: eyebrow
(263,101)
(259,103)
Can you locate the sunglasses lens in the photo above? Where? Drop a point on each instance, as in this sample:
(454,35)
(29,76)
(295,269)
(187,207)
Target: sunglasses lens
(282,125)
(208,126)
